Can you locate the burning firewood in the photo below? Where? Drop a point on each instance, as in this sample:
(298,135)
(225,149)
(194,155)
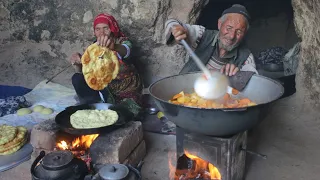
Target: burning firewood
(190,167)
(79,147)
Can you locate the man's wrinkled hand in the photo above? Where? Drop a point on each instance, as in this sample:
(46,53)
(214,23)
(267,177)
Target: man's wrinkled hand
(229,69)
(106,41)
(179,32)
(75,59)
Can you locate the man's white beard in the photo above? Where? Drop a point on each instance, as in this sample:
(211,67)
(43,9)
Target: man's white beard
(227,47)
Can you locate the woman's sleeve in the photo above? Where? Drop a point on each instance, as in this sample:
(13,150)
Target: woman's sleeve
(128,45)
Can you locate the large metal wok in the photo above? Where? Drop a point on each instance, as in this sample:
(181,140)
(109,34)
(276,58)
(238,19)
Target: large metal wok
(214,122)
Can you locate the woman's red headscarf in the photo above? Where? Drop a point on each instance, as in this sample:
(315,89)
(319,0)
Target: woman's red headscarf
(112,23)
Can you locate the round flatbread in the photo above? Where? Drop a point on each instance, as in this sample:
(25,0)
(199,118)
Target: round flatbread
(87,119)
(7,133)
(100,66)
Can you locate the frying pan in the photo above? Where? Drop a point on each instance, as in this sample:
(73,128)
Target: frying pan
(63,118)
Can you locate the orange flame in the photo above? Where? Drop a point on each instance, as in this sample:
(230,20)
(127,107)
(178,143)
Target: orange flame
(201,169)
(62,145)
(83,142)
(214,172)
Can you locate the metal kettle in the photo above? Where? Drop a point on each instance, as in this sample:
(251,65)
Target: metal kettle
(116,172)
(58,165)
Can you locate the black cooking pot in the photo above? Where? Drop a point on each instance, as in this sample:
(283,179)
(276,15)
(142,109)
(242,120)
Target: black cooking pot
(58,165)
(214,122)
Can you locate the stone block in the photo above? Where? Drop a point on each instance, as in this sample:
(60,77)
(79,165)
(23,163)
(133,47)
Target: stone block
(116,146)
(43,135)
(136,155)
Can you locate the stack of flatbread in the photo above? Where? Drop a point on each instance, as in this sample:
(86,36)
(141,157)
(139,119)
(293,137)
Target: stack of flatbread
(100,66)
(12,138)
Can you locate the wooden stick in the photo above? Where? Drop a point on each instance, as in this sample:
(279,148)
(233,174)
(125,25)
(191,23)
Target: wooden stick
(58,73)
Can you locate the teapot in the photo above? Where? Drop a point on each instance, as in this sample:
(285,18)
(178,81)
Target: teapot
(58,165)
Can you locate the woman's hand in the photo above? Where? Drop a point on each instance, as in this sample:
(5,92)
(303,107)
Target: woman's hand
(106,41)
(75,59)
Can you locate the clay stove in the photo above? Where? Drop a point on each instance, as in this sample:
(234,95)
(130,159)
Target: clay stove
(224,157)
(122,146)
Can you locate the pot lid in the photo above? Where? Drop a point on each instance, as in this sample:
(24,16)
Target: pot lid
(57,160)
(113,172)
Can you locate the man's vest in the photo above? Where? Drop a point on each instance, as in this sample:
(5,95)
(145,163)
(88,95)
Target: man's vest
(205,50)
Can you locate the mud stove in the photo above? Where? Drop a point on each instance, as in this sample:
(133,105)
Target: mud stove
(224,157)
(115,153)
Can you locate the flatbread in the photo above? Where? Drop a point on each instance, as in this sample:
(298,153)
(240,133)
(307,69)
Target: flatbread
(14,149)
(20,137)
(99,72)
(7,133)
(87,119)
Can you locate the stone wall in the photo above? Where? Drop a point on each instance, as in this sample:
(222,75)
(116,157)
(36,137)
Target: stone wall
(37,37)
(307,23)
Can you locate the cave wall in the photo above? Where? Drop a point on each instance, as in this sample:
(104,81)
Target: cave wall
(37,37)
(307,23)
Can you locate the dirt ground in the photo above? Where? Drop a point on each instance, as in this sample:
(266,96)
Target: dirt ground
(289,135)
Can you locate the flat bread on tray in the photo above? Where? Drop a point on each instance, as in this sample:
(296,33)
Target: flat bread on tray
(11,145)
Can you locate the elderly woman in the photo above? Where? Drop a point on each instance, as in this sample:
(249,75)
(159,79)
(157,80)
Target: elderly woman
(127,86)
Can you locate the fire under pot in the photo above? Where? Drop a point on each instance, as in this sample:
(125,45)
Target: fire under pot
(207,157)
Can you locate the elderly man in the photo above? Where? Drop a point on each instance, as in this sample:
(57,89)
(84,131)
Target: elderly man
(219,50)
